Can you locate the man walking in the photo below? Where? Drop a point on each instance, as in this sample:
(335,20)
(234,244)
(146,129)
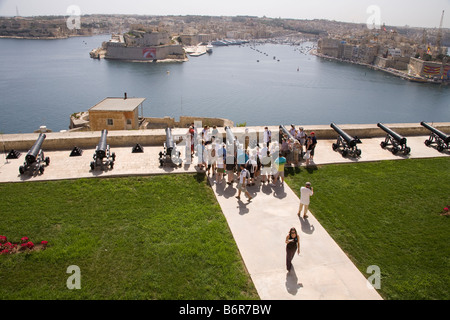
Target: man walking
(243,177)
(305,193)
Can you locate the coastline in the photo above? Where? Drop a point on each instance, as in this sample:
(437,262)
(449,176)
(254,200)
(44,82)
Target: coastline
(48,38)
(390,71)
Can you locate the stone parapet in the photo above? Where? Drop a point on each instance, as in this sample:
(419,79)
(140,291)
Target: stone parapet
(156,137)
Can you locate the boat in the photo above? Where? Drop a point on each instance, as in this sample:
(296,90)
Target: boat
(209,48)
(195,51)
(219,43)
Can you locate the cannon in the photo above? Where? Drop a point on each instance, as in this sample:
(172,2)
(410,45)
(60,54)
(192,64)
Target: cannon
(441,139)
(170,156)
(346,142)
(35,157)
(229,136)
(102,155)
(230,140)
(287,133)
(397,141)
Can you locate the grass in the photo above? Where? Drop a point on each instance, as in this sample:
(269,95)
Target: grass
(387,214)
(159,237)
(164,237)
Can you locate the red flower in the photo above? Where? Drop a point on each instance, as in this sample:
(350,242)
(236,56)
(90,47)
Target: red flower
(30,245)
(44,243)
(24,239)
(5,251)
(3,239)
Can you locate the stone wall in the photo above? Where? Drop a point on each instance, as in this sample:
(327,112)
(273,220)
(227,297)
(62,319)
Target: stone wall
(185,121)
(429,68)
(156,137)
(137,53)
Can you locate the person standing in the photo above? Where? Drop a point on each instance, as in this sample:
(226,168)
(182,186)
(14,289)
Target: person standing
(301,137)
(279,164)
(296,150)
(267,137)
(230,167)
(242,184)
(308,147)
(214,132)
(292,131)
(305,194)
(313,145)
(192,137)
(292,245)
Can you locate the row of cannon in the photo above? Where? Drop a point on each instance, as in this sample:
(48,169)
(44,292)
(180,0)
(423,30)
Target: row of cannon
(35,161)
(104,158)
(348,144)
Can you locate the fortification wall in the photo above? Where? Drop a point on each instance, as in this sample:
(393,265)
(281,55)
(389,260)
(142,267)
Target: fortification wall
(156,137)
(144,53)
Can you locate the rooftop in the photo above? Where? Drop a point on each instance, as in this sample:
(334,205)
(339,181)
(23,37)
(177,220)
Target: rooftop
(118,104)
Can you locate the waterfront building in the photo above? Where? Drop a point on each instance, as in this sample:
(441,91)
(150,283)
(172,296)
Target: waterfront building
(429,69)
(141,45)
(116,114)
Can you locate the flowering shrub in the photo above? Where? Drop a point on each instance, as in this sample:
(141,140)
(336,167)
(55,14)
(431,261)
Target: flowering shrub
(25,245)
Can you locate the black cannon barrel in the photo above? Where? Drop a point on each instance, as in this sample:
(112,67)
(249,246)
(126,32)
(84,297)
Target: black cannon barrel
(102,145)
(229,135)
(400,139)
(439,133)
(170,143)
(286,132)
(34,151)
(350,140)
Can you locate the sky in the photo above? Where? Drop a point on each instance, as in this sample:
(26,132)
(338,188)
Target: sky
(414,13)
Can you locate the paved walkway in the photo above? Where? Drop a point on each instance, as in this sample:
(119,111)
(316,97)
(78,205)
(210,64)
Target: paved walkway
(321,271)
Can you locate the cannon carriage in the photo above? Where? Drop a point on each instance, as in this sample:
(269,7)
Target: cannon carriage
(347,143)
(35,159)
(397,141)
(170,156)
(103,157)
(437,137)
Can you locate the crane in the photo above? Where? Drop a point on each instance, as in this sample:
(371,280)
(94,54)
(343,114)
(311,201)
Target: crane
(439,35)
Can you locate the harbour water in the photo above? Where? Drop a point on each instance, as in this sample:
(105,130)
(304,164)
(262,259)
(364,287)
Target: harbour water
(44,81)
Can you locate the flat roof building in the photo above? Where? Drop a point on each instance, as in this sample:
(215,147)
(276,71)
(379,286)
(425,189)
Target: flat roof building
(116,114)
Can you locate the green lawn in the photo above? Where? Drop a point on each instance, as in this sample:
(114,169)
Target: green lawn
(159,237)
(387,214)
(164,237)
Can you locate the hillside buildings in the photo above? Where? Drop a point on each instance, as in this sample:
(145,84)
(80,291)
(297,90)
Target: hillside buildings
(389,51)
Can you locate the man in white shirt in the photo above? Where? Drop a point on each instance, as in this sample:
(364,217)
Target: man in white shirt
(242,183)
(305,193)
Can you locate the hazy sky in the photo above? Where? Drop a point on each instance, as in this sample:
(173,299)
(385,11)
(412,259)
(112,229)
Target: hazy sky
(417,13)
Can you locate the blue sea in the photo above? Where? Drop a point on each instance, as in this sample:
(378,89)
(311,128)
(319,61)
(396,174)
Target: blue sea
(44,81)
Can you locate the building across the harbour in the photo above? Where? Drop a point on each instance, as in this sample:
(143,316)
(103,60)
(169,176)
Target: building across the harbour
(142,46)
